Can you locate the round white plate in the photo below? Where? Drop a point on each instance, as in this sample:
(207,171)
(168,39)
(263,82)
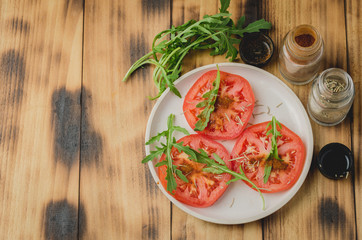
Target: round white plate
(239,204)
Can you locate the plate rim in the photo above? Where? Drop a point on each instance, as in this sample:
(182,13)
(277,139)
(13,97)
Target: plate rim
(298,184)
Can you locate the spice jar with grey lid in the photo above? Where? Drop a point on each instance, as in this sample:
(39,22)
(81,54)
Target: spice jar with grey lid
(331,97)
(301,55)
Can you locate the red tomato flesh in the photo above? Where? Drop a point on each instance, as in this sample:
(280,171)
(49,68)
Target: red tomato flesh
(252,149)
(233,108)
(203,188)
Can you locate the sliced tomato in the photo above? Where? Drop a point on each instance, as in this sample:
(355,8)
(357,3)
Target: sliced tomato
(252,149)
(233,108)
(202,188)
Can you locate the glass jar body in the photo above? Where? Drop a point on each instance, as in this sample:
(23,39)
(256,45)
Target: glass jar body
(328,107)
(299,61)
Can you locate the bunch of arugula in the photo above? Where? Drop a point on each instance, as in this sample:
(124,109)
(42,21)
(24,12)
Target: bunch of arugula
(214,165)
(217,32)
(274,147)
(208,103)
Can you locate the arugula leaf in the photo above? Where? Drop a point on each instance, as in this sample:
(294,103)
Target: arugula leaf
(162,163)
(181,175)
(181,129)
(154,154)
(213,170)
(185,149)
(257,25)
(274,147)
(267,171)
(166,149)
(217,166)
(208,103)
(157,137)
(252,27)
(240,22)
(219,159)
(224,6)
(216,32)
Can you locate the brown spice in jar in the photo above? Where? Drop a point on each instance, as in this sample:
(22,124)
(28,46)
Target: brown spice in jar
(305,40)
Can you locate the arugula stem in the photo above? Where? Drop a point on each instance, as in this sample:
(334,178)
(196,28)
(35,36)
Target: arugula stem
(212,32)
(224,169)
(274,147)
(243,177)
(136,65)
(168,151)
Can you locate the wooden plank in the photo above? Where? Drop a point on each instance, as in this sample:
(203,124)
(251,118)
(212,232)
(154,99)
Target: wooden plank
(323,208)
(120,197)
(40,79)
(184,225)
(354,33)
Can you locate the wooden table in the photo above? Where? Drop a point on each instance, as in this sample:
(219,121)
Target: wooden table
(72,135)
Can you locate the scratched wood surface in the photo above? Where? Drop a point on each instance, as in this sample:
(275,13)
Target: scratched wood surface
(354,53)
(40,79)
(324,208)
(72,135)
(116,189)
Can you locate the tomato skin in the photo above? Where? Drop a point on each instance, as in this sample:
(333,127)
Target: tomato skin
(233,108)
(254,146)
(203,189)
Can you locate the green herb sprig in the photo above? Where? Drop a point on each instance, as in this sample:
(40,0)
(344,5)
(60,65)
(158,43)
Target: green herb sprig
(217,32)
(208,103)
(218,166)
(274,146)
(166,149)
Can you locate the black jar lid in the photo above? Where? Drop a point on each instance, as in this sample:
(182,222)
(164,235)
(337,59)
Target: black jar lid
(335,161)
(256,49)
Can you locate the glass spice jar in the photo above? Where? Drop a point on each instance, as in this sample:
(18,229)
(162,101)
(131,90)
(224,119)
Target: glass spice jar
(331,97)
(301,55)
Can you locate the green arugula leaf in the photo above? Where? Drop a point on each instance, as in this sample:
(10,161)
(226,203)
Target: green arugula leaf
(218,159)
(274,147)
(181,129)
(215,165)
(157,137)
(257,25)
(162,163)
(169,47)
(185,149)
(203,153)
(240,23)
(165,148)
(171,181)
(181,175)
(208,103)
(212,170)
(233,180)
(154,154)
(218,166)
(224,6)
(267,171)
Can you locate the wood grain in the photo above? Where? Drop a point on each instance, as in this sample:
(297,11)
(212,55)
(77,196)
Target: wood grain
(184,225)
(72,135)
(354,43)
(40,77)
(323,208)
(120,197)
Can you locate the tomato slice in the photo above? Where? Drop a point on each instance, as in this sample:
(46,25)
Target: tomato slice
(233,108)
(253,147)
(203,188)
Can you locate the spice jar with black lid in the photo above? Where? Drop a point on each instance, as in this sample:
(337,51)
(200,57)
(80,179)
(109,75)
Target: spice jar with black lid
(331,97)
(301,55)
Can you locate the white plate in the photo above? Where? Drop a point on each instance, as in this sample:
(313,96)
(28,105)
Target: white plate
(239,204)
